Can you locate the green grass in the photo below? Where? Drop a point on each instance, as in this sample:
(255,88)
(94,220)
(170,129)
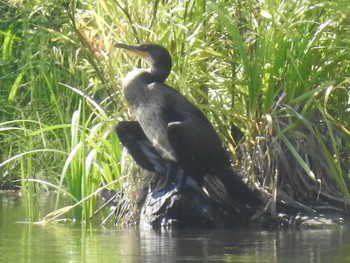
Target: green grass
(272,76)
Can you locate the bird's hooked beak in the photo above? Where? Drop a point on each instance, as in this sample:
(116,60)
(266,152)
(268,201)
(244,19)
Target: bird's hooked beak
(136,49)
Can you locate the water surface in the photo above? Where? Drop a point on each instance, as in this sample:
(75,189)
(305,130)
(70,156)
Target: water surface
(76,242)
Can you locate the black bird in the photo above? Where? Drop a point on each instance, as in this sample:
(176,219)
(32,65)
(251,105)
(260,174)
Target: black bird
(172,132)
(177,129)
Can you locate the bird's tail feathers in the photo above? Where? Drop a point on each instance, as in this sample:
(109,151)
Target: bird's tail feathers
(228,189)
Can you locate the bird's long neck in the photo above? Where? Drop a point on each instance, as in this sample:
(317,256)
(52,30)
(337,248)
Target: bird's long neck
(136,82)
(146,76)
(160,67)
(159,73)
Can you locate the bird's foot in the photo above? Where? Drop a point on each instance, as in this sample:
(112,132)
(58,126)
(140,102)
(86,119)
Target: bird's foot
(172,177)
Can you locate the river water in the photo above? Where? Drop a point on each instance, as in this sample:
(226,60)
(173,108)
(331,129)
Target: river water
(76,242)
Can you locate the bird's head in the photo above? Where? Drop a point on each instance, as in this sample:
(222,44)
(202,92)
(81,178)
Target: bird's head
(156,56)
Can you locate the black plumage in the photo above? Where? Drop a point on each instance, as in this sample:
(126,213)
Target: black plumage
(173,132)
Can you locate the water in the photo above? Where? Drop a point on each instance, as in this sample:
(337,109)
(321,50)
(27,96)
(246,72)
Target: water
(75,242)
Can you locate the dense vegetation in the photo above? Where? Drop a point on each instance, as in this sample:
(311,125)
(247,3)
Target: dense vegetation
(273,76)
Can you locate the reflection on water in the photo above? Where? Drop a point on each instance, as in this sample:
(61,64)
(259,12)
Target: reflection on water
(67,242)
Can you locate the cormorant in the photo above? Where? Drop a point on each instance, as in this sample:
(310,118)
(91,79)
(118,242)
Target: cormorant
(171,134)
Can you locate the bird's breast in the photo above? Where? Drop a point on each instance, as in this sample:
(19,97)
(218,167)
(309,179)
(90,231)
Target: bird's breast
(155,129)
